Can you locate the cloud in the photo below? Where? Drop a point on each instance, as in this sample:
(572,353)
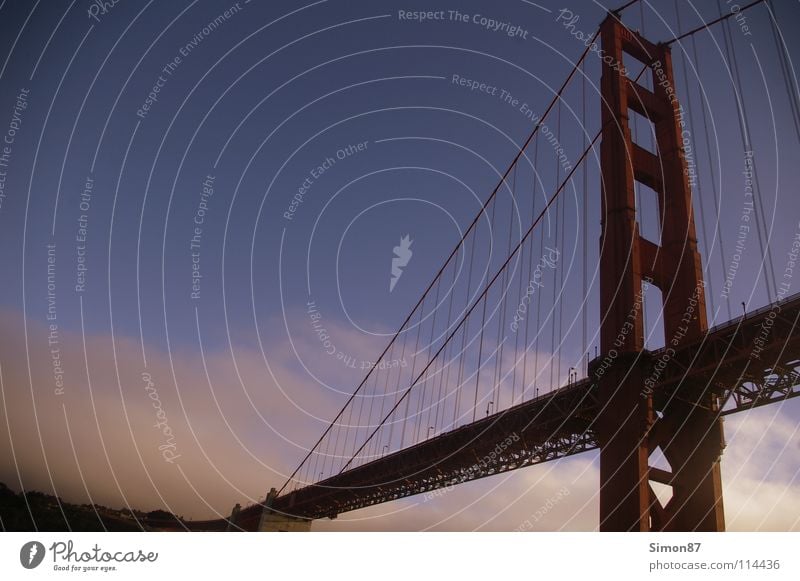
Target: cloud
(761,469)
(238,426)
(235,425)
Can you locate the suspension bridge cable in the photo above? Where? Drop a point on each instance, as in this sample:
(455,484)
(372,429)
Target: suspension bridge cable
(334,423)
(617,11)
(466,233)
(706,25)
(483,296)
(485,291)
(530,137)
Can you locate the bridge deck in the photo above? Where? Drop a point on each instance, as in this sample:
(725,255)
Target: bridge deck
(747,363)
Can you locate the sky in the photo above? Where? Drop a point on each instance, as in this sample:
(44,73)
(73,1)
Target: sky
(191,190)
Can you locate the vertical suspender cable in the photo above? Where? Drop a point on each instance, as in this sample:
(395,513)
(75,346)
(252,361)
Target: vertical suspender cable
(413,373)
(483,325)
(790,80)
(519,302)
(584,229)
(556,290)
(445,380)
(714,191)
(530,274)
(464,335)
(507,277)
(397,390)
(744,128)
(430,350)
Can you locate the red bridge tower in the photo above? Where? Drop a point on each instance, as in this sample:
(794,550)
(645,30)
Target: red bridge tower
(635,422)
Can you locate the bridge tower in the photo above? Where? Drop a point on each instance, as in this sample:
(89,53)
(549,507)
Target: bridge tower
(635,422)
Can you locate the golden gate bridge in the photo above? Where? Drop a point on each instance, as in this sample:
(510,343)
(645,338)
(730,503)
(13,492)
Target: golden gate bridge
(493,379)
